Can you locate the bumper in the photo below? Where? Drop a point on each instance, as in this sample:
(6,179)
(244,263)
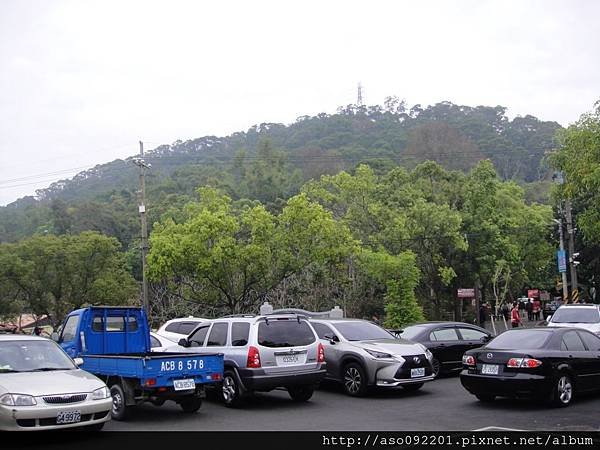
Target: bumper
(393,374)
(521,385)
(258,380)
(402,382)
(36,418)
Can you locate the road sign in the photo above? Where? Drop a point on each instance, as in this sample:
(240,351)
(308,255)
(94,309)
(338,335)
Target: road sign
(561,256)
(466,293)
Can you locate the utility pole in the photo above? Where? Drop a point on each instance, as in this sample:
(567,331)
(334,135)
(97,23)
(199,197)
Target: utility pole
(562,249)
(142,210)
(359,99)
(572,254)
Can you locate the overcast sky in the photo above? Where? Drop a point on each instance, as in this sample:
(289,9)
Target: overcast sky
(81,82)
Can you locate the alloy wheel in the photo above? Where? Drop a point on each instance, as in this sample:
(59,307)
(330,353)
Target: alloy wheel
(565,390)
(228,389)
(352,380)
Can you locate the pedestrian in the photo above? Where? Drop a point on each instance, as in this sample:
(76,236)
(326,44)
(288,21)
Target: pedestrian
(482,315)
(529,309)
(536,308)
(505,309)
(515,318)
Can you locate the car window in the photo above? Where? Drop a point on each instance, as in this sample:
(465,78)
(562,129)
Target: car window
(360,330)
(322,330)
(117,323)
(469,334)
(154,342)
(197,339)
(285,333)
(239,333)
(70,328)
(218,335)
(576,315)
(187,327)
(520,339)
(412,332)
(444,334)
(25,356)
(173,327)
(573,342)
(591,341)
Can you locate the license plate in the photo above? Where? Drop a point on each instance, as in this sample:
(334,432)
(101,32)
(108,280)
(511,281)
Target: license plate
(291,359)
(418,372)
(68,417)
(184,385)
(489,369)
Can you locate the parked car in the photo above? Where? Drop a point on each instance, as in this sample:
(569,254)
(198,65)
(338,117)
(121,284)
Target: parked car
(176,329)
(447,341)
(41,388)
(262,353)
(114,344)
(361,354)
(586,316)
(159,343)
(552,364)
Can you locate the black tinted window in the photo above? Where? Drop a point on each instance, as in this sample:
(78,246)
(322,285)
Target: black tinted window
(97,324)
(285,333)
(572,342)
(218,335)
(322,330)
(444,334)
(173,327)
(187,327)
(591,342)
(412,332)
(197,339)
(520,340)
(239,333)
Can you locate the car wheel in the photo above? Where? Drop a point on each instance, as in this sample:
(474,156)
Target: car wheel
(230,389)
(191,404)
(436,366)
(563,390)
(301,393)
(355,381)
(119,410)
(413,387)
(485,398)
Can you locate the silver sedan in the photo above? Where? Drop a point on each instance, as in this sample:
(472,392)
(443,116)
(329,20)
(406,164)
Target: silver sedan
(41,388)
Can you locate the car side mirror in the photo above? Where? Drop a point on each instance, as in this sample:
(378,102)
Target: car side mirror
(184,342)
(54,336)
(548,318)
(485,339)
(332,338)
(78,361)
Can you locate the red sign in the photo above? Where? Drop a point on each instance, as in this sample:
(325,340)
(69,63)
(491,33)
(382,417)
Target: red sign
(466,293)
(533,293)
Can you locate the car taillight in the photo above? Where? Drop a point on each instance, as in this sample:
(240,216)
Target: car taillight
(150,382)
(321,353)
(253,358)
(523,363)
(469,360)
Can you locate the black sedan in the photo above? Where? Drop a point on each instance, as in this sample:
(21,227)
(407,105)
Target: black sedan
(447,341)
(550,364)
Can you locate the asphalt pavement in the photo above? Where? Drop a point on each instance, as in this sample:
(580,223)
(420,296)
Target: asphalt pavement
(440,405)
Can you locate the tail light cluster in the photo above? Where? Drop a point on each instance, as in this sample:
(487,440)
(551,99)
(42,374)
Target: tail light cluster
(523,363)
(469,360)
(321,353)
(253,361)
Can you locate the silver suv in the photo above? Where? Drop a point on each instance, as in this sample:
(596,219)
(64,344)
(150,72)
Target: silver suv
(262,353)
(360,354)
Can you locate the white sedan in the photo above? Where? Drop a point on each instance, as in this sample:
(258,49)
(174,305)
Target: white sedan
(160,343)
(41,388)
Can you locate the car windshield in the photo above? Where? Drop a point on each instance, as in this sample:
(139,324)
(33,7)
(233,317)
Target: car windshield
(412,332)
(362,331)
(32,356)
(520,340)
(285,333)
(576,315)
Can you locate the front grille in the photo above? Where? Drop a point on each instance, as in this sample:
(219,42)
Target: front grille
(410,363)
(61,399)
(26,422)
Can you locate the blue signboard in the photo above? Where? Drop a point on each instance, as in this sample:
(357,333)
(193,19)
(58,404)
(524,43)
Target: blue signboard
(561,256)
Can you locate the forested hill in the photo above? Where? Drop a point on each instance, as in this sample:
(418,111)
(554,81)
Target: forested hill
(271,161)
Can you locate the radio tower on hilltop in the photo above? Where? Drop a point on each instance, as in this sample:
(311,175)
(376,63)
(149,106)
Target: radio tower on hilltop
(359,99)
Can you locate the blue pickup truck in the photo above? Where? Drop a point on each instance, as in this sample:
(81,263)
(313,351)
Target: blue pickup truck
(113,343)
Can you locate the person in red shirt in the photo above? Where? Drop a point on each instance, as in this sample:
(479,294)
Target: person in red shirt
(515,318)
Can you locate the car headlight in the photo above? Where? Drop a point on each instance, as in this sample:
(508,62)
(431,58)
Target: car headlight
(17,400)
(428,354)
(101,394)
(377,355)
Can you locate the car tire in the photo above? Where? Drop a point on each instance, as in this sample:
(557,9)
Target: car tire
(191,404)
(437,367)
(119,409)
(301,393)
(230,390)
(485,398)
(355,380)
(563,390)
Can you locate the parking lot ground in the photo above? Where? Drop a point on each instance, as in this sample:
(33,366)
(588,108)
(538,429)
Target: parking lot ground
(440,405)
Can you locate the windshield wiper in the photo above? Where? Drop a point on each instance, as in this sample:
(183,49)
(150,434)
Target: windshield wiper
(48,369)
(9,371)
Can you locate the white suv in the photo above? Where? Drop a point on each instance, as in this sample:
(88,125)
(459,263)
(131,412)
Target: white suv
(586,316)
(176,329)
